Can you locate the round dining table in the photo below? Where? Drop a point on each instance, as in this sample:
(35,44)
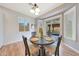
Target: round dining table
(42,42)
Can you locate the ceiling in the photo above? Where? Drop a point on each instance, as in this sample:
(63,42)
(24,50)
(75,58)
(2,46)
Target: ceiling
(24,8)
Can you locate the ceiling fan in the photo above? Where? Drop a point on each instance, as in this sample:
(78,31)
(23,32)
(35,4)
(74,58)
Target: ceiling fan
(35,9)
(33,4)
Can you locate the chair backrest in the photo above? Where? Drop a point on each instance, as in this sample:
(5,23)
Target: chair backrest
(58,45)
(27,51)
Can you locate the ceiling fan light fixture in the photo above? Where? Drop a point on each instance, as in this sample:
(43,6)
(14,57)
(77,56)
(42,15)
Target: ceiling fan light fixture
(36,13)
(37,10)
(32,10)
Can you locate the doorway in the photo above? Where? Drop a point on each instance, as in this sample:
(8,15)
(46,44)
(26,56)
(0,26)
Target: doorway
(53,26)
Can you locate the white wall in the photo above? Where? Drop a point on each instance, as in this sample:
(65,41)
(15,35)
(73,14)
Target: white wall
(1,29)
(65,7)
(11,30)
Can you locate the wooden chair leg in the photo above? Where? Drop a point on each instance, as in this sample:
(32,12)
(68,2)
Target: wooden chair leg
(39,53)
(57,52)
(25,53)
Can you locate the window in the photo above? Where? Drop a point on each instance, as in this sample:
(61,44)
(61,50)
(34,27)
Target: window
(23,25)
(70,24)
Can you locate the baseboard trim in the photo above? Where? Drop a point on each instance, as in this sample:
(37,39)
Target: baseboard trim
(71,48)
(12,42)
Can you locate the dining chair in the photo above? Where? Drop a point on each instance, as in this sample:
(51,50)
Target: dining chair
(30,50)
(27,51)
(58,45)
(54,48)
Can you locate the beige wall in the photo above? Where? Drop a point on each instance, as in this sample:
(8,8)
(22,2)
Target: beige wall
(11,27)
(1,29)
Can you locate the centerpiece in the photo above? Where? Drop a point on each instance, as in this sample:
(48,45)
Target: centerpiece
(41,32)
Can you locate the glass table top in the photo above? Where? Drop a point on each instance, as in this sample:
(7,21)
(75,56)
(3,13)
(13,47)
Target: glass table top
(43,41)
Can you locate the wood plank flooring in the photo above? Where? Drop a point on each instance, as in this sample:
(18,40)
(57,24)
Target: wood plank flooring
(68,51)
(17,49)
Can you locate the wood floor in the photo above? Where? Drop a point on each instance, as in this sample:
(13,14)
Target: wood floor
(68,51)
(17,49)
